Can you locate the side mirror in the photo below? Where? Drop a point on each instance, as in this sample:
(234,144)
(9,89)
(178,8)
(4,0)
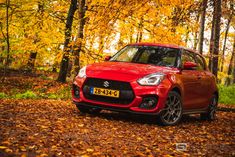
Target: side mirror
(189,65)
(107,58)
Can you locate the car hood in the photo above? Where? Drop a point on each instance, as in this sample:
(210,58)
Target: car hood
(123,71)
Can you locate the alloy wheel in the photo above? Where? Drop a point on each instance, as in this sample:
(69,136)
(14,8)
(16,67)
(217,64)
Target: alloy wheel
(213,107)
(210,114)
(172,112)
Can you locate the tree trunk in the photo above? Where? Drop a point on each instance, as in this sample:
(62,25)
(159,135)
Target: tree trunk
(202,26)
(33,54)
(68,28)
(2,48)
(224,45)
(140,36)
(217,36)
(226,35)
(120,41)
(131,34)
(210,66)
(31,61)
(7,38)
(231,63)
(214,45)
(7,31)
(79,39)
(234,63)
(101,42)
(186,36)
(140,31)
(137,37)
(196,35)
(231,68)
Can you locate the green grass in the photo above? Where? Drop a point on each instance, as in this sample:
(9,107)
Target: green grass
(2,95)
(26,95)
(227,94)
(63,94)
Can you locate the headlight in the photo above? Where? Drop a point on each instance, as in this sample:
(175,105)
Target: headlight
(82,72)
(151,80)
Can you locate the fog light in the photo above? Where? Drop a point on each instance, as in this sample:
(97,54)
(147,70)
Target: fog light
(76,91)
(148,103)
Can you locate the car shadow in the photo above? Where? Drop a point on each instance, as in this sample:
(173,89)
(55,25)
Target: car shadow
(140,119)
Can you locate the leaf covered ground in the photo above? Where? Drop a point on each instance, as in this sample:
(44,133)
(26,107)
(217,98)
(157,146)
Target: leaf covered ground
(57,128)
(46,127)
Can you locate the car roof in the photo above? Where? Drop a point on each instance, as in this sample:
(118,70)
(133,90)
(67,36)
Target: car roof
(163,45)
(156,44)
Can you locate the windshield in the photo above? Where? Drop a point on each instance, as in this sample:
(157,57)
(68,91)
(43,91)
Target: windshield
(161,56)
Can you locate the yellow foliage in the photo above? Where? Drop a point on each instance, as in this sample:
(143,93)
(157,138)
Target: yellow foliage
(109,26)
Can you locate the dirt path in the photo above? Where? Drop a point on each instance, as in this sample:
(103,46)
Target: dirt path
(56,128)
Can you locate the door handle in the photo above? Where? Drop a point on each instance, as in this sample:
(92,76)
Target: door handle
(199,76)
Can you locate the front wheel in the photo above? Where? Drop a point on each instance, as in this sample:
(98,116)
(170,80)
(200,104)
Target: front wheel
(87,109)
(172,112)
(211,112)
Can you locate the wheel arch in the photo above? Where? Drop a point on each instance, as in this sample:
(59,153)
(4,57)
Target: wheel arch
(217,94)
(177,89)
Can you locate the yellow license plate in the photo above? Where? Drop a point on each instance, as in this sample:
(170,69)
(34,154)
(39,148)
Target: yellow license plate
(105,92)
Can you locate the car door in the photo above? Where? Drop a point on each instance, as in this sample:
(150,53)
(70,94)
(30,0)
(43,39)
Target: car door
(191,83)
(205,82)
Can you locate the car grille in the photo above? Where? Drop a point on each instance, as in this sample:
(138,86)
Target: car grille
(126,93)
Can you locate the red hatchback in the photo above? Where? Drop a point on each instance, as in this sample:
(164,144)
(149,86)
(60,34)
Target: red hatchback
(156,79)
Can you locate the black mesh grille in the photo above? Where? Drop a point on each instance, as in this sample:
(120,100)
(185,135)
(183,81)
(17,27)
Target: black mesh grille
(126,93)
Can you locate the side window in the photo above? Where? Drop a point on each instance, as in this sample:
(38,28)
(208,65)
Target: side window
(187,57)
(200,62)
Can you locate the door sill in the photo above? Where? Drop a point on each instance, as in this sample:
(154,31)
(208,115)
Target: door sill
(195,111)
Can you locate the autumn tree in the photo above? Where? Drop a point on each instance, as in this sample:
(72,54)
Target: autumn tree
(215,37)
(228,14)
(36,38)
(68,28)
(79,37)
(231,68)
(60,36)
(32,30)
(7,32)
(202,26)
(6,37)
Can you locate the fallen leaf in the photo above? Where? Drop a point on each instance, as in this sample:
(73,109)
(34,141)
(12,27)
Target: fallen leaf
(3,147)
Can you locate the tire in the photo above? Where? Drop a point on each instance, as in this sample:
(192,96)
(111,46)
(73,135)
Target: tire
(89,110)
(211,111)
(172,112)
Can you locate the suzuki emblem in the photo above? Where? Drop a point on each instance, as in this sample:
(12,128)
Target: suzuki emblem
(106,84)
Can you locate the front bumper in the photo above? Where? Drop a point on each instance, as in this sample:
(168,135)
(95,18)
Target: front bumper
(116,109)
(140,92)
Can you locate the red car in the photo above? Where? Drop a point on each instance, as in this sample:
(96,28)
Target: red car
(155,79)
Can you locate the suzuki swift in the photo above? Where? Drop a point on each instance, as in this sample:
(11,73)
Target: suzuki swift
(164,81)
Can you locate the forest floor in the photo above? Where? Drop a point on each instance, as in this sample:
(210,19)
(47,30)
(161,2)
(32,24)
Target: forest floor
(42,126)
